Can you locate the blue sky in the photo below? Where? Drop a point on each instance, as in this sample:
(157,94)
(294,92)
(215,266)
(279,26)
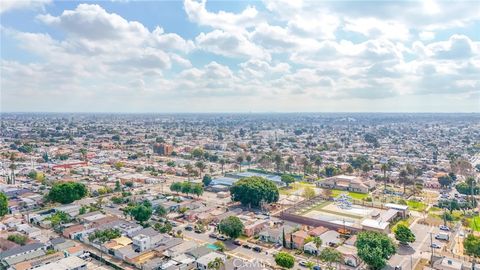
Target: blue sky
(240,56)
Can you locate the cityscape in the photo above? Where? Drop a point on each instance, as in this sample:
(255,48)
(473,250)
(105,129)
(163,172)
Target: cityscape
(249,135)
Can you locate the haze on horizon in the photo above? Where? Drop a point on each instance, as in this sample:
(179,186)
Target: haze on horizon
(246,56)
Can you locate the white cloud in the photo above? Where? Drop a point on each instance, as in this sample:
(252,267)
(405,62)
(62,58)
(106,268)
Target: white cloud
(375,28)
(230,45)
(197,12)
(289,54)
(8,5)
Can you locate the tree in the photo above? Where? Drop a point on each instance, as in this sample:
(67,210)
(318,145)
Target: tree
(160,211)
(231,226)
(3,204)
(385,167)
(249,160)
(197,189)
(222,163)
(404,235)
(197,153)
(67,192)
(308,193)
(176,187)
(445,180)
(18,239)
(216,264)
(330,256)
(186,187)
(141,213)
(220,245)
(290,162)
(240,160)
(374,248)
(471,245)
(129,184)
(252,191)
(207,179)
(403,178)
(117,186)
(317,241)
(318,162)
(284,259)
(287,179)
(201,166)
(277,158)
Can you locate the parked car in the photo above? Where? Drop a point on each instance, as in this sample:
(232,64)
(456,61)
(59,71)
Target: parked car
(434,245)
(257,249)
(221,238)
(442,236)
(237,242)
(189,228)
(212,235)
(444,228)
(317,267)
(198,231)
(303,263)
(247,246)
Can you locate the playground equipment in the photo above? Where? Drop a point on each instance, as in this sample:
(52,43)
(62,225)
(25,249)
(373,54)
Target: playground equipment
(344,201)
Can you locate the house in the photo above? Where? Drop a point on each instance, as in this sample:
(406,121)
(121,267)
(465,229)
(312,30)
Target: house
(312,249)
(299,238)
(275,235)
(68,263)
(349,253)
(22,253)
(38,261)
(202,262)
(347,183)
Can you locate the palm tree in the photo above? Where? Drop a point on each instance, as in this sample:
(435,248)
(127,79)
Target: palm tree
(222,163)
(216,264)
(384,169)
(278,161)
(318,243)
(240,160)
(318,163)
(249,159)
(305,164)
(290,162)
(403,178)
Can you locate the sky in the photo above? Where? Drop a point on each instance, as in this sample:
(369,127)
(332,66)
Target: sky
(240,56)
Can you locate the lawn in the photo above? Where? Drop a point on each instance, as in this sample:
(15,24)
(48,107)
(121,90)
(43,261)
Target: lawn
(475,223)
(416,206)
(294,187)
(354,195)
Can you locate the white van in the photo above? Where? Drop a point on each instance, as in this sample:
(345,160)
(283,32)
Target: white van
(442,236)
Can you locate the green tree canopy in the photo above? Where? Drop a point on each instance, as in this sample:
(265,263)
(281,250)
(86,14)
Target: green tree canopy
(472,245)
(374,248)
(330,256)
(176,187)
(18,239)
(67,192)
(231,226)
(207,179)
(252,191)
(284,259)
(288,179)
(3,204)
(141,213)
(404,235)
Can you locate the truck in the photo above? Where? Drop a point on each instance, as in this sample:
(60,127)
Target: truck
(442,236)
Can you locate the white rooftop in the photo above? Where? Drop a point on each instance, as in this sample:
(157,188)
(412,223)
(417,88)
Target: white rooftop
(376,224)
